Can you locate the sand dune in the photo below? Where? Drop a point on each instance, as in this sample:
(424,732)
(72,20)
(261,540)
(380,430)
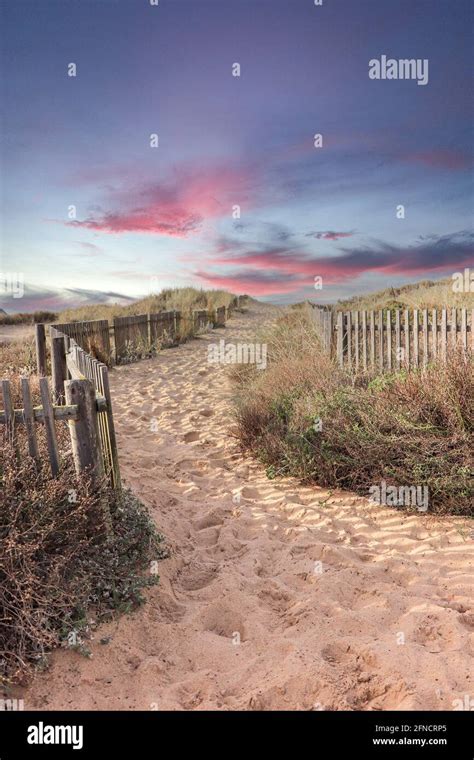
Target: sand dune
(275,596)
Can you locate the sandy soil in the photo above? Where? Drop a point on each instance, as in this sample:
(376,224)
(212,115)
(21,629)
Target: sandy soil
(337,604)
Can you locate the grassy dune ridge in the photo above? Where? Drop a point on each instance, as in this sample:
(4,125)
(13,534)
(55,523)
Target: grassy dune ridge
(427,294)
(179,299)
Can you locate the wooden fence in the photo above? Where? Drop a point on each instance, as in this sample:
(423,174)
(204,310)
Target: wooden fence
(80,397)
(83,367)
(389,339)
(130,334)
(80,411)
(93,336)
(134,335)
(164,328)
(80,392)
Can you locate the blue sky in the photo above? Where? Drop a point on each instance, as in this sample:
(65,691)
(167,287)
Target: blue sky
(150,217)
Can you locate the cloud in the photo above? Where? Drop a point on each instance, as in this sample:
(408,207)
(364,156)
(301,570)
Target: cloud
(175,207)
(252,282)
(37,298)
(271,270)
(88,249)
(329,235)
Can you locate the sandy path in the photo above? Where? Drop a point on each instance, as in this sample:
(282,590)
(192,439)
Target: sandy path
(338,604)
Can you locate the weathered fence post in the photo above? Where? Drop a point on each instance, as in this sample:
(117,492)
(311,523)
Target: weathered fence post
(84,431)
(104,381)
(9,409)
(40,341)
(48,418)
(29,418)
(58,368)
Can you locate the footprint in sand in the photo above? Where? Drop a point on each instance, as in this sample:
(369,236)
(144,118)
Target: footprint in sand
(224,621)
(197,575)
(248,492)
(192,436)
(210,519)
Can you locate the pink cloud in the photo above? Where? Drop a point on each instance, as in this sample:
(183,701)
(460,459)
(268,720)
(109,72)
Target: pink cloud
(248,284)
(286,270)
(177,207)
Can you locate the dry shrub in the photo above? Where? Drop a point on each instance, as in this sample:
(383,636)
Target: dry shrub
(17,357)
(60,568)
(410,429)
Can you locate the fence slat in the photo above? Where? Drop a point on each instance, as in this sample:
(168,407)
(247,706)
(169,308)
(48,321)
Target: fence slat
(349,338)
(58,367)
(389,339)
(444,334)
(364,339)
(340,338)
(397,339)
(9,409)
(49,426)
(454,326)
(111,427)
(416,345)
(29,419)
(40,343)
(407,338)
(434,333)
(372,339)
(381,339)
(356,340)
(425,337)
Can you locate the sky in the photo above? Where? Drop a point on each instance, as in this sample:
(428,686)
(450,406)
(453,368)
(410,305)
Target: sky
(233,192)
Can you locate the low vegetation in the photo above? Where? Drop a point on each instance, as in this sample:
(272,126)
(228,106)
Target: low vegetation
(28,318)
(305,417)
(18,358)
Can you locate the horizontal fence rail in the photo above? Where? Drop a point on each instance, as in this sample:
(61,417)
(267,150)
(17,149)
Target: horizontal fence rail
(391,339)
